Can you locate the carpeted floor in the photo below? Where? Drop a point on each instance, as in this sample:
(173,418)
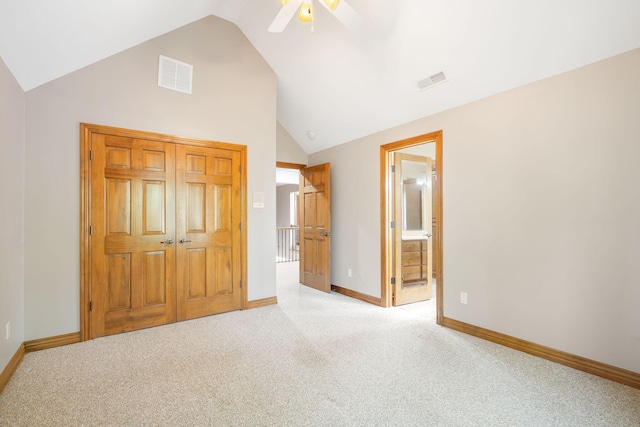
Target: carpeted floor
(315,359)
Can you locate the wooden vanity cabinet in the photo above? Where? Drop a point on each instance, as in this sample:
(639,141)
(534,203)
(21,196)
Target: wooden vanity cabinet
(414,261)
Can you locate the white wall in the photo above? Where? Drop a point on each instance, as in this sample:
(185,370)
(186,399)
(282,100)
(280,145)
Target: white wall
(232,86)
(541,199)
(12,171)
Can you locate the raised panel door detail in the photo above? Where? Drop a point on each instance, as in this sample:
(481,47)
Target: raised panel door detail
(222,167)
(311,245)
(197,272)
(310,210)
(153,277)
(154,207)
(132,213)
(223,273)
(310,259)
(118,209)
(310,179)
(321,255)
(208,212)
(118,157)
(196,207)
(153,160)
(321,209)
(196,164)
(222,207)
(118,275)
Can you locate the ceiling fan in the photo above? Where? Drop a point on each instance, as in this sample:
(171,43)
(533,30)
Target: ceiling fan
(339,8)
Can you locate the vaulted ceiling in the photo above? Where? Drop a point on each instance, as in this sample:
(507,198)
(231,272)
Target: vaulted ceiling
(342,84)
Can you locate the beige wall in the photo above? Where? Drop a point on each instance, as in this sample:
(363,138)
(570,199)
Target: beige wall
(12,170)
(283,210)
(232,86)
(287,149)
(541,204)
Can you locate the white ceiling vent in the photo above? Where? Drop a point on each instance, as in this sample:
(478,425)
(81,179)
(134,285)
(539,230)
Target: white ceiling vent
(175,75)
(432,80)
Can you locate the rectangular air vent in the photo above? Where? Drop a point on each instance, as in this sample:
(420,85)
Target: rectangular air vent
(432,80)
(175,75)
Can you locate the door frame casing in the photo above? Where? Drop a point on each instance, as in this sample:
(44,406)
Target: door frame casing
(86,131)
(386,233)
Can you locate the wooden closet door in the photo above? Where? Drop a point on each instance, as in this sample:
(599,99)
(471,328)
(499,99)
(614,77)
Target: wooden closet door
(133,232)
(208,209)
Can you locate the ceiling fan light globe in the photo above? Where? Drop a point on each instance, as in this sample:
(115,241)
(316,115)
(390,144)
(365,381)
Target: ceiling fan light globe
(305,14)
(331,3)
(284,2)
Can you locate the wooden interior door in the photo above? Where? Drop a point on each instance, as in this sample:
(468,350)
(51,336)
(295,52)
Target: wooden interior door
(208,209)
(132,234)
(161,222)
(413,245)
(315,226)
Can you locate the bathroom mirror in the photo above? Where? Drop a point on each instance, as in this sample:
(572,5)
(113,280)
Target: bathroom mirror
(416,194)
(413,188)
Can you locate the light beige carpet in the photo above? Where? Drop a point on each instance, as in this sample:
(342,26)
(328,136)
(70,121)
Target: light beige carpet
(315,359)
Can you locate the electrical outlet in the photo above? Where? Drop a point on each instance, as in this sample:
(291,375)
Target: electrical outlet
(349,272)
(8,330)
(463,298)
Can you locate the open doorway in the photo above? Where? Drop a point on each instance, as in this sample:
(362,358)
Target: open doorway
(411,223)
(307,237)
(287,223)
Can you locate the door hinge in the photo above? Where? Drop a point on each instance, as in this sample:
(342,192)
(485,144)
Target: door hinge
(393,280)
(240,226)
(240,168)
(393,168)
(90,305)
(91,230)
(393,224)
(240,283)
(90,154)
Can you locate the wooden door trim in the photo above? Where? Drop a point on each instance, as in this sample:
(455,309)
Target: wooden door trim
(285,165)
(86,131)
(244,299)
(85,221)
(386,241)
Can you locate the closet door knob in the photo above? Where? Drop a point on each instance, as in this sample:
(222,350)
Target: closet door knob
(184,241)
(168,242)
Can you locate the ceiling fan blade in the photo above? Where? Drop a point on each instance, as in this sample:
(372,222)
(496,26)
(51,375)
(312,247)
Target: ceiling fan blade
(345,14)
(284,16)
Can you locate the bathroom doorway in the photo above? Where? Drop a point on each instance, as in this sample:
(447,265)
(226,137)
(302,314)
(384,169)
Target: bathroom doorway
(411,226)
